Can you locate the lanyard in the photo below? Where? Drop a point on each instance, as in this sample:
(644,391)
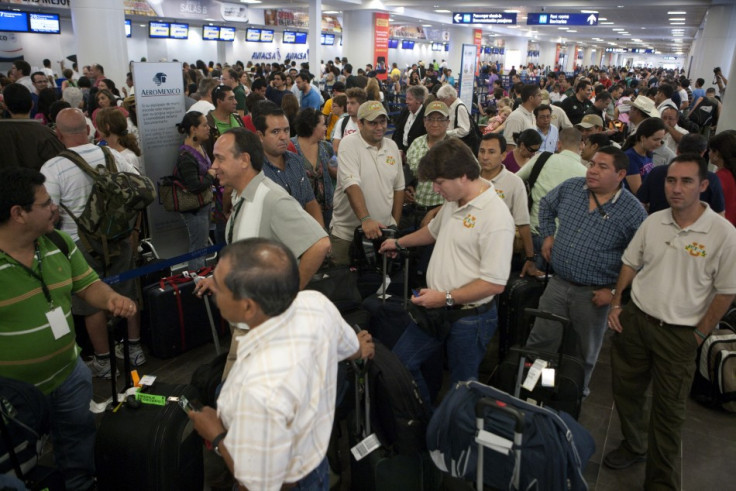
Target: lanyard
(38,276)
(599,207)
(233,218)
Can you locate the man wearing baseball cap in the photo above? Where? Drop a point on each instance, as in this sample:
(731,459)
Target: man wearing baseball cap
(370,182)
(591,123)
(436,122)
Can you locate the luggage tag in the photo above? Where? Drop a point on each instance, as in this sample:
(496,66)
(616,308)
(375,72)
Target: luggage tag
(58,323)
(548,377)
(494,442)
(384,288)
(534,373)
(365,447)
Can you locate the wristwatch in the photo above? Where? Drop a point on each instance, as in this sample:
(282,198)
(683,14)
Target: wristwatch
(216,442)
(448,299)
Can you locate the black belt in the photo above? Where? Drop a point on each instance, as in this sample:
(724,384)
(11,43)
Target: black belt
(421,208)
(659,322)
(597,287)
(458,312)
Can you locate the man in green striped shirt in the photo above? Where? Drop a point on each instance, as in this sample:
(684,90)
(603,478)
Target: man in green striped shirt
(37,339)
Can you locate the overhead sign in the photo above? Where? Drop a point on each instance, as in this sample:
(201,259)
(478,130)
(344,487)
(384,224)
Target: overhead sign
(545,19)
(501,18)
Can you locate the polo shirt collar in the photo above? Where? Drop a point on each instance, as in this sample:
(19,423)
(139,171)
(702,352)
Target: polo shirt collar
(615,196)
(483,199)
(368,145)
(702,225)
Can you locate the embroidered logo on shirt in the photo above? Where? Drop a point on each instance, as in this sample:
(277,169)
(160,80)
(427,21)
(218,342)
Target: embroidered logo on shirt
(469,221)
(390,160)
(500,194)
(696,250)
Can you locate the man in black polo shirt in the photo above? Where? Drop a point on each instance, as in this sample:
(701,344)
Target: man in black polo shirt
(577,106)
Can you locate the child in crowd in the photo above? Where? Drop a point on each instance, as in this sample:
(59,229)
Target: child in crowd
(497,122)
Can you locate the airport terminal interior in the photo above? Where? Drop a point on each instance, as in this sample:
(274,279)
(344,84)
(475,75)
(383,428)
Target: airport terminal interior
(694,36)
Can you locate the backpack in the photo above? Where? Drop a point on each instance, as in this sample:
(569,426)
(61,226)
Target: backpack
(703,114)
(344,125)
(25,418)
(536,170)
(714,384)
(115,201)
(472,139)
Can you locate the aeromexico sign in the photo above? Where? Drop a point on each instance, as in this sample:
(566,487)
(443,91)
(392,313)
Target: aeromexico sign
(276,55)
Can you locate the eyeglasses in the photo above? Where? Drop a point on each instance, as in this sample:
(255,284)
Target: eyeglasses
(533,149)
(436,120)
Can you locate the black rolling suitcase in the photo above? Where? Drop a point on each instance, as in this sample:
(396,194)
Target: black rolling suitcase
(150,447)
(148,442)
(519,294)
(176,320)
(569,377)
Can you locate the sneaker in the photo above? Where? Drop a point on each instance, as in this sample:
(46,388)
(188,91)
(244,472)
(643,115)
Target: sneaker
(137,358)
(100,368)
(621,458)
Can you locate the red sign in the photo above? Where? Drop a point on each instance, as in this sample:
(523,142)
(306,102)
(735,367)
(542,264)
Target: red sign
(478,41)
(380,43)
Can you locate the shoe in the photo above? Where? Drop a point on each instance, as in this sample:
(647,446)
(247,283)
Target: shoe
(137,358)
(621,458)
(100,368)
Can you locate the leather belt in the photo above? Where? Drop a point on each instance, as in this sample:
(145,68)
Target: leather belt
(659,322)
(459,311)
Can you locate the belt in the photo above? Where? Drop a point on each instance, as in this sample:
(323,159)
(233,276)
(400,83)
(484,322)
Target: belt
(459,311)
(573,283)
(425,209)
(659,322)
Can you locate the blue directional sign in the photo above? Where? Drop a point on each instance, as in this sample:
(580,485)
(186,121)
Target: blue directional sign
(546,19)
(499,18)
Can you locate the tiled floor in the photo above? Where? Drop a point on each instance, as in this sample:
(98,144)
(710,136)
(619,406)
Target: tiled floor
(709,437)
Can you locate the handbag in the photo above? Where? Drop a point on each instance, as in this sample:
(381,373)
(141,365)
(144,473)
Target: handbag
(174,196)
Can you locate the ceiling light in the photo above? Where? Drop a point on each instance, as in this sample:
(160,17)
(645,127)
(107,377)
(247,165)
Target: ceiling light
(572,30)
(606,23)
(677,19)
(250,1)
(563,28)
(511,11)
(643,27)
(331,12)
(677,12)
(443,11)
(142,25)
(589,11)
(513,27)
(618,29)
(426,25)
(677,23)
(620,6)
(601,18)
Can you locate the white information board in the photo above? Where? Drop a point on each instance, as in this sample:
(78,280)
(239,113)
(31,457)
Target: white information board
(467,74)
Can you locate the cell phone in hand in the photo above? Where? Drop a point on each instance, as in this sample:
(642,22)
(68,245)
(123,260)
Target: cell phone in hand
(187,406)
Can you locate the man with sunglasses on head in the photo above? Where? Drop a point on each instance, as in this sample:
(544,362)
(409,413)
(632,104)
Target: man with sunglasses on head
(370,182)
(586,224)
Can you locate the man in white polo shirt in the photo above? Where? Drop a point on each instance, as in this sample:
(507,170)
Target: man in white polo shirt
(682,262)
(473,235)
(370,182)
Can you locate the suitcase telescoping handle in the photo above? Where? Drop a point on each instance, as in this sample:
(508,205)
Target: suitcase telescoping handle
(480,409)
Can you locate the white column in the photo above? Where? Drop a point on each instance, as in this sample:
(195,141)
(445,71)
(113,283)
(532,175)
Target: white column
(716,45)
(458,37)
(99,27)
(570,58)
(515,53)
(357,38)
(727,120)
(588,57)
(547,53)
(315,29)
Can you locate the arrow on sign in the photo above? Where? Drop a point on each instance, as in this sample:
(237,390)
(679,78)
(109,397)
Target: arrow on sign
(458,17)
(592,19)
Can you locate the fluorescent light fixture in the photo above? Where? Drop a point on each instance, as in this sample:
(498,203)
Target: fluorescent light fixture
(511,11)
(677,23)
(331,12)
(563,28)
(618,29)
(572,30)
(250,1)
(513,27)
(677,19)
(589,12)
(443,11)
(677,12)
(601,18)
(605,23)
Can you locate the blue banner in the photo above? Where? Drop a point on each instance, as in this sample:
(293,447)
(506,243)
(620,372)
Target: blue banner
(546,19)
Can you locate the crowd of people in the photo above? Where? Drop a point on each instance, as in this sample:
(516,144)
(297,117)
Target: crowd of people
(288,164)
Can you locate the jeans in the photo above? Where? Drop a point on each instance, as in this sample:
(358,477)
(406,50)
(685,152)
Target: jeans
(466,347)
(317,480)
(587,322)
(73,428)
(198,226)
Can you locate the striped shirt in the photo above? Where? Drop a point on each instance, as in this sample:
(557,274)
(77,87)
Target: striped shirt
(588,243)
(28,350)
(278,402)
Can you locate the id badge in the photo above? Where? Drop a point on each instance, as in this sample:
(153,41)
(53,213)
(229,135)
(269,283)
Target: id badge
(58,323)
